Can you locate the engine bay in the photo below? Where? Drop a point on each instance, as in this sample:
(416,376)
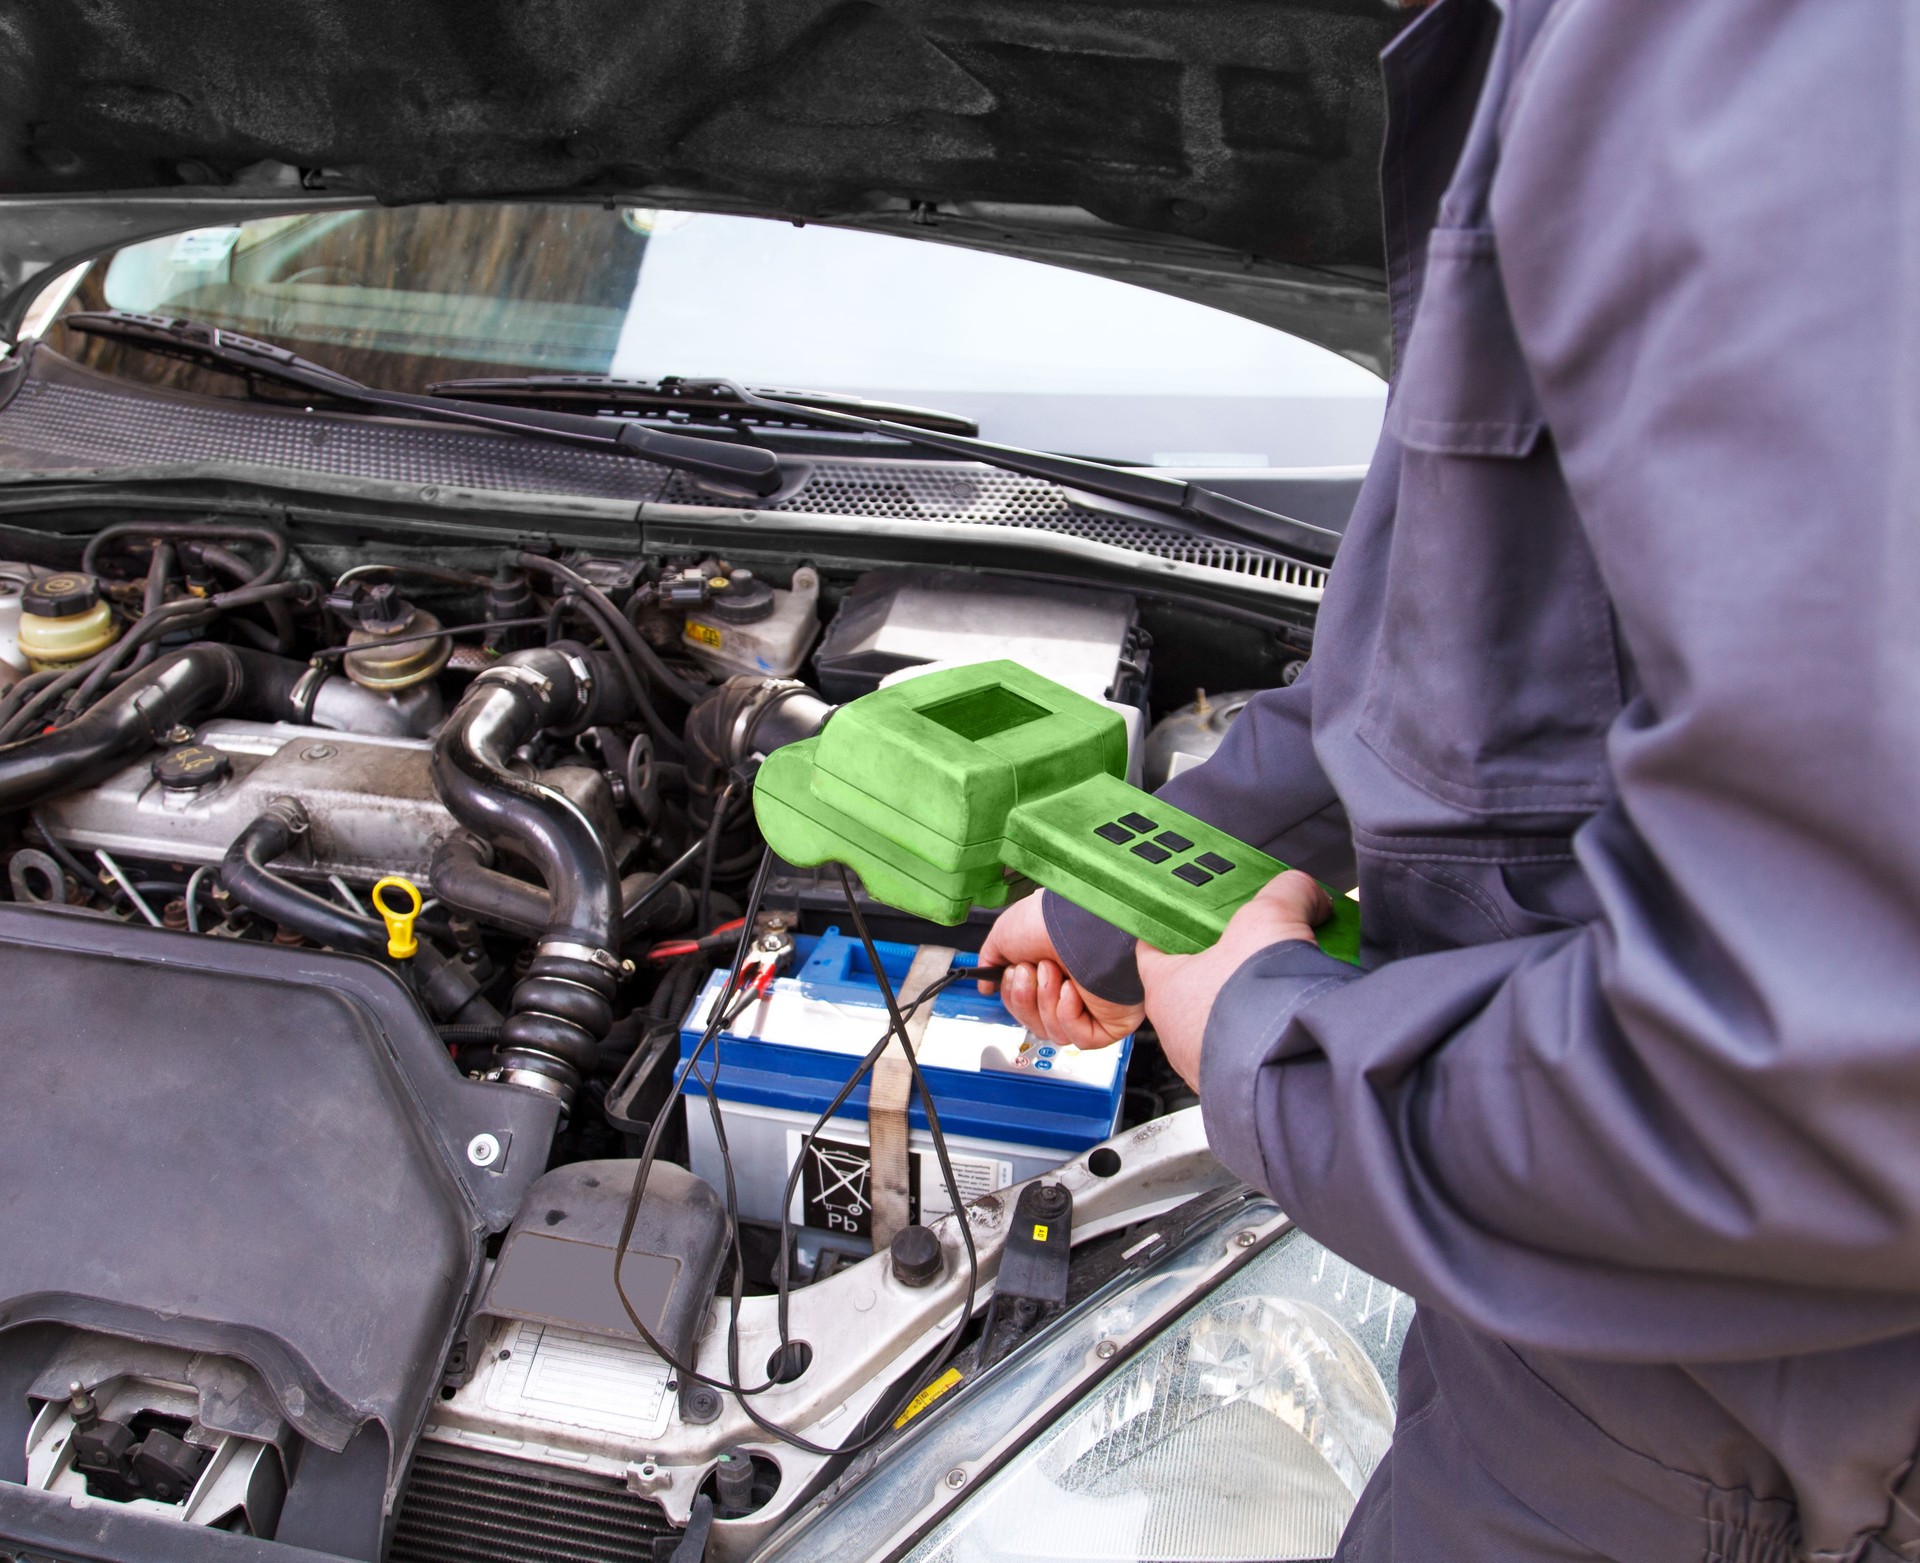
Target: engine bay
(442,1105)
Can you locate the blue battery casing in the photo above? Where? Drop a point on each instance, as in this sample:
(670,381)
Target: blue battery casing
(1023,1107)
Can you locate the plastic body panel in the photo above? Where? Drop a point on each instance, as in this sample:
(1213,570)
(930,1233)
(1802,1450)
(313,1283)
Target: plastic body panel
(252,1151)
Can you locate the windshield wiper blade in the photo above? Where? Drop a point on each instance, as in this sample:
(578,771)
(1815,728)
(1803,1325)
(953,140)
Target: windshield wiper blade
(748,467)
(709,398)
(1203,510)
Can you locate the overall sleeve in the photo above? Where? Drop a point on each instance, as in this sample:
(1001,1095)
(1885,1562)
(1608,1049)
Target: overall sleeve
(1691,1128)
(1264,785)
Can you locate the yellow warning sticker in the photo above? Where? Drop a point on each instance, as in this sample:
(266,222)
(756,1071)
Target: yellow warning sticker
(706,634)
(1039,1234)
(927,1396)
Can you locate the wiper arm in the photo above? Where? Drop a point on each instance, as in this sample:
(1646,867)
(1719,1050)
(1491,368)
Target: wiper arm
(1205,511)
(748,467)
(711,398)
(1202,509)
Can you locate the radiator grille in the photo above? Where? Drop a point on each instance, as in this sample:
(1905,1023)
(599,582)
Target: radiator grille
(461,1507)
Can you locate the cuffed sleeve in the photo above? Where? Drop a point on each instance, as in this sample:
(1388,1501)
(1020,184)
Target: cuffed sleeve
(1247,1028)
(1096,954)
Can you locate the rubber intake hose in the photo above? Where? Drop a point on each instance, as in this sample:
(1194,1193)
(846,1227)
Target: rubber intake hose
(246,877)
(463,876)
(176,691)
(564,1005)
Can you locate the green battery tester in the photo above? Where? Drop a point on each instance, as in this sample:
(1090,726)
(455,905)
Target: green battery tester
(930,788)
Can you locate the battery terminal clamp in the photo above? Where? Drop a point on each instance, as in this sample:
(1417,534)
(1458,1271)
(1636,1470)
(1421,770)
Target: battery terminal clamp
(401,944)
(931,788)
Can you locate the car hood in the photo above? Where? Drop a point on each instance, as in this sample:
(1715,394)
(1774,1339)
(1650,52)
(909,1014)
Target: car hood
(1213,149)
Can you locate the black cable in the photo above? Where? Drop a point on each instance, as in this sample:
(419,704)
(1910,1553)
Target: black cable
(840,1099)
(85,876)
(329,652)
(727,1006)
(153,601)
(708,846)
(651,1148)
(635,642)
(665,877)
(275,544)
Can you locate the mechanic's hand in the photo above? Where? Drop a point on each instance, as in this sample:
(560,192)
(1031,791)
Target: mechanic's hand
(1181,988)
(1037,990)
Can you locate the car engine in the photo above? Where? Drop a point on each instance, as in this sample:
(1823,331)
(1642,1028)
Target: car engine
(361,909)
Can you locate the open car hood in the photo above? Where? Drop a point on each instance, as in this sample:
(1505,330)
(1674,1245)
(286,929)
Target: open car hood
(1212,149)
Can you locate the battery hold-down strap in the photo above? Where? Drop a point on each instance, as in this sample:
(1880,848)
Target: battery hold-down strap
(887,1099)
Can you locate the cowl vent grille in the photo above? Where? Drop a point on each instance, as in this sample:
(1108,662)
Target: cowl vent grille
(52,423)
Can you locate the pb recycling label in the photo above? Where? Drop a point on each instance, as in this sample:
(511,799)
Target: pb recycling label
(836,1183)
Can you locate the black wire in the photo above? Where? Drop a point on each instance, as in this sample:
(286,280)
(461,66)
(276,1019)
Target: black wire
(723,1011)
(708,847)
(651,1148)
(85,876)
(445,629)
(621,635)
(852,1084)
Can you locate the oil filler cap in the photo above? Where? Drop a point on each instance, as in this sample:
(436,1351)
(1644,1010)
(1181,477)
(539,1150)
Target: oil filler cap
(191,766)
(59,596)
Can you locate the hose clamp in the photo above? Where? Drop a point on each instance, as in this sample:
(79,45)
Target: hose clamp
(770,693)
(593,955)
(512,674)
(582,679)
(306,690)
(533,1079)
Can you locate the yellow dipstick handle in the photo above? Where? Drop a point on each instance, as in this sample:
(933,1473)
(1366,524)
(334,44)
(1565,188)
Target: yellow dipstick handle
(400,940)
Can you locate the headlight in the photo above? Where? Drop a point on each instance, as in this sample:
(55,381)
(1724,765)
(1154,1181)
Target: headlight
(1243,1430)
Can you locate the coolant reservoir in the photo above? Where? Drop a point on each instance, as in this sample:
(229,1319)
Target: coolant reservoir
(747,626)
(63,621)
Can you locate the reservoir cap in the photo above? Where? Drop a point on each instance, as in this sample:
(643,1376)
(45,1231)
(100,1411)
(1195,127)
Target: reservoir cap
(60,596)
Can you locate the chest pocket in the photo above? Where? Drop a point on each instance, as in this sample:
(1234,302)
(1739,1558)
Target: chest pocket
(1495,674)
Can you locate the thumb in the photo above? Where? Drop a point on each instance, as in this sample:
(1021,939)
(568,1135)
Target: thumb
(1292,897)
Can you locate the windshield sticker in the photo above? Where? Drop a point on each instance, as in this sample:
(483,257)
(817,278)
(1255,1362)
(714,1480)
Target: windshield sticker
(203,247)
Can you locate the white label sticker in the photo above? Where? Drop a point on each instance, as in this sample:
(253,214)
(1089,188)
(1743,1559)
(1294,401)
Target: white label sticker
(834,1194)
(557,1375)
(203,247)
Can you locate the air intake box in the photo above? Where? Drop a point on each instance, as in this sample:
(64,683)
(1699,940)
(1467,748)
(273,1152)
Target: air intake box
(254,1152)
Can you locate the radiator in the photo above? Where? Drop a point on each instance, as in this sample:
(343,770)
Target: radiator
(463,1507)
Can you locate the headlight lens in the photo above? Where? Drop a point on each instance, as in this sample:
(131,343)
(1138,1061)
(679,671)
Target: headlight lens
(1242,1429)
(1245,1431)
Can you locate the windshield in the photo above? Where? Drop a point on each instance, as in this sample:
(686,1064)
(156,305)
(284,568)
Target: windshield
(1037,355)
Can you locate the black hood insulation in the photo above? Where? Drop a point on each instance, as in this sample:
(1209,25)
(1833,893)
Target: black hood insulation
(1209,147)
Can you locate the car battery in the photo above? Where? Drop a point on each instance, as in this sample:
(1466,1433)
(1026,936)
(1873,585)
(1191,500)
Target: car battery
(1010,1106)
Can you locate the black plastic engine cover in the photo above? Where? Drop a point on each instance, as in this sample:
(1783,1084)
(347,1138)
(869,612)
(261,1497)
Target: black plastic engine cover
(247,1150)
(557,1264)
